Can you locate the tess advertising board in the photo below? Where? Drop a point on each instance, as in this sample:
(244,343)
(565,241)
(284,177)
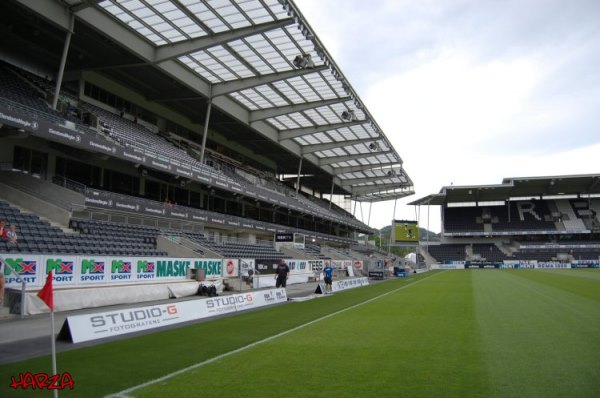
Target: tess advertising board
(90,270)
(88,327)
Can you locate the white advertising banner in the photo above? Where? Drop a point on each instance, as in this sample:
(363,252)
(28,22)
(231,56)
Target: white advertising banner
(70,270)
(552,265)
(121,269)
(27,267)
(316,265)
(350,283)
(212,267)
(246,264)
(63,267)
(447,266)
(92,270)
(231,268)
(519,264)
(88,270)
(341,264)
(107,324)
(345,284)
(88,327)
(298,266)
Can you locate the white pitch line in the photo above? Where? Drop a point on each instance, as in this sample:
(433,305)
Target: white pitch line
(124,393)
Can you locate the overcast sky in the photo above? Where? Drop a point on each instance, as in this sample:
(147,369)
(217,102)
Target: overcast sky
(470,92)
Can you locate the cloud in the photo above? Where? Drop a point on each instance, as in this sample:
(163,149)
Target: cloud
(472,91)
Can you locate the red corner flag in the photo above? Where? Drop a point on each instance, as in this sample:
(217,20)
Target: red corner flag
(46,294)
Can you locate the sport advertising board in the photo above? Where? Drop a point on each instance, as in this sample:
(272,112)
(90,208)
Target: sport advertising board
(70,270)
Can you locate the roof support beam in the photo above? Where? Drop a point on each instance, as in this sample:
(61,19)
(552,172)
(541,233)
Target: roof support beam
(117,32)
(51,10)
(174,95)
(170,51)
(376,188)
(345,158)
(285,110)
(84,4)
(353,181)
(330,145)
(381,196)
(299,132)
(242,84)
(352,169)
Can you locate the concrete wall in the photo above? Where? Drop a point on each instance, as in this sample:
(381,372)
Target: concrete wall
(163,243)
(30,203)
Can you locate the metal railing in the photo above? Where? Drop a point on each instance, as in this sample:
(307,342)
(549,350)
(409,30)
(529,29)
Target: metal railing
(38,193)
(69,184)
(187,243)
(38,113)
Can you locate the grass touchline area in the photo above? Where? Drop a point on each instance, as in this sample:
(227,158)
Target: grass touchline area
(265,340)
(468,333)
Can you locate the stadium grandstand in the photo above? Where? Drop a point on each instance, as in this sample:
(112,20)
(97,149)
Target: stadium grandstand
(138,133)
(550,222)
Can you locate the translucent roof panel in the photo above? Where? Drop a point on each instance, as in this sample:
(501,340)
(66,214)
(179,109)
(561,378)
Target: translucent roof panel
(229,52)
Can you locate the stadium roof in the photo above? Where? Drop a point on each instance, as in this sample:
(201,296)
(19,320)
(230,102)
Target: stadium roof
(259,63)
(552,187)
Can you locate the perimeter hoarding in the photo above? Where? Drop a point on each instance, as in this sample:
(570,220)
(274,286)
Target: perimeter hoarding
(71,270)
(344,284)
(100,325)
(231,268)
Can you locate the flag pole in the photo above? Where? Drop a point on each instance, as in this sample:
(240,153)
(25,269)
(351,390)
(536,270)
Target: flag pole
(46,294)
(52,337)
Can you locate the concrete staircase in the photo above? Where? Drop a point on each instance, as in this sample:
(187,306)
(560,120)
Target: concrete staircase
(179,246)
(426,256)
(38,196)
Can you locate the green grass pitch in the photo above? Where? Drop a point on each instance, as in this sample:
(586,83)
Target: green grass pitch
(472,333)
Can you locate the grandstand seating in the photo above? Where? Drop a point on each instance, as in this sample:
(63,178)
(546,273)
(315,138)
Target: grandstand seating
(237,249)
(568,216)
(17,93)
(588,211)
(130,134)
(489,252)
(313,250)
(38,236)
(585,254)
(447,252)
(535,254)
(524,216)
(122,239)
(26,93)
(462,219)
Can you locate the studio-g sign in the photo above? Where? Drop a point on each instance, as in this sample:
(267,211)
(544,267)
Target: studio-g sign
(106,324)
(86,327)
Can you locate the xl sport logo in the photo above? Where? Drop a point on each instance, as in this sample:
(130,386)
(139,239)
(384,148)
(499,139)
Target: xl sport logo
(25,269)
(63,269)
(145,269)
(92,270)
(120,270)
